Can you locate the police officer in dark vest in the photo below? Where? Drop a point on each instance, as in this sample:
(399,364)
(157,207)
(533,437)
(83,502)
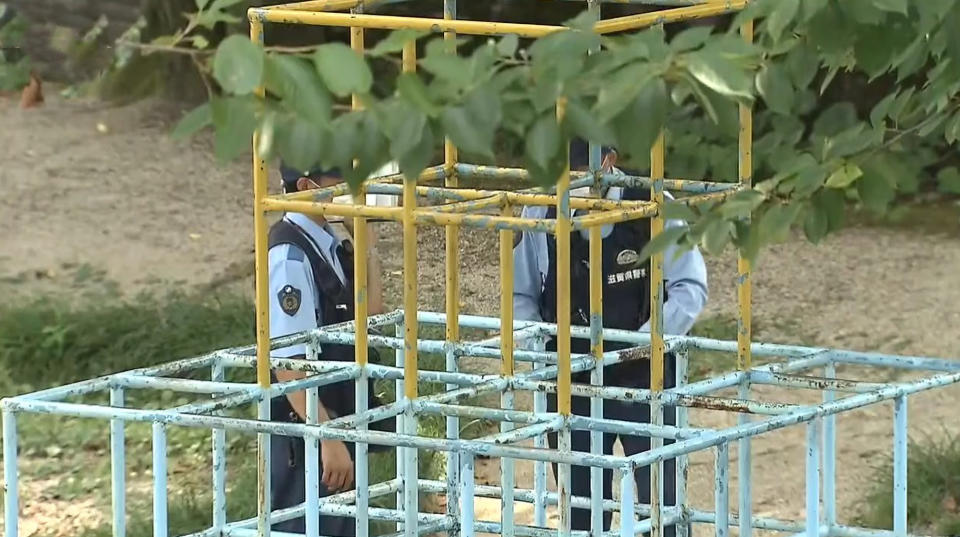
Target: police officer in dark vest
(626,305)
(311,285)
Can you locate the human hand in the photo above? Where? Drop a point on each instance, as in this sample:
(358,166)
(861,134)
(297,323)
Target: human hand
(337,466)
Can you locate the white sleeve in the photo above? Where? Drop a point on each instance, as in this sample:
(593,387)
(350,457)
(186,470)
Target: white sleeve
(292,299)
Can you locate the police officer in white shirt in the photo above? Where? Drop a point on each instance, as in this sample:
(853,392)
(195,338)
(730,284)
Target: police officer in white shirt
(311,285)
(626,305)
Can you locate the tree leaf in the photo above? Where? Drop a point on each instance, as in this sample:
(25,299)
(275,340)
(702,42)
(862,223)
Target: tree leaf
(661,242)
(404,125)
(543,141)
(897,6)
(201,4)
(781,17)
(741,204)
(776,222)
(197,119)
(238,65)
(948,180)
(720,74)
(816,223)
(234,120)
(880,111)
(395,42)
(691,38)
(674,210)
(774,86)
(844,176)
(507,46)
(639,125)
(300,143)
(875,190)
(586,125)
(411,88)
(413,162)
(716,236)
(342,69)
(297,83)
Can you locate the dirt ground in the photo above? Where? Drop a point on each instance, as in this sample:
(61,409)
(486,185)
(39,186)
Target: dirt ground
(89,184)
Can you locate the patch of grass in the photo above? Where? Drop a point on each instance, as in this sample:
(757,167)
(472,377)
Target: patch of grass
(933,489)
(46,342)
(705,363)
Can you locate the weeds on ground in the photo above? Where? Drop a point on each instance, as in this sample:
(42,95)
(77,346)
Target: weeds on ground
(48,341)
(933,488)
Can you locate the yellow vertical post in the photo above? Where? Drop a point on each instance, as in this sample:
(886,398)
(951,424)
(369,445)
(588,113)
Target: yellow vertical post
(656,328)
(360,233)
(506,368)
(563,328)
(262,285)
(744,292)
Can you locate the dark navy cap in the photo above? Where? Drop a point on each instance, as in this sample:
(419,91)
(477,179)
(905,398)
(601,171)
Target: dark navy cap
(580,153)
(290,176)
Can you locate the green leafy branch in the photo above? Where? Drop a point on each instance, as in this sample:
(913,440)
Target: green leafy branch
(620,90)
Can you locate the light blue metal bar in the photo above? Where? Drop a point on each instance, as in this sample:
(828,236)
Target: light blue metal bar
(721,490)
(399,426)
(829,454)
(11,499)
(540,442)
(311,449)
(520,434)
(584,423)
(411,493)
(362,473)
(564,483)
(899,362)
(814,383)
(900,466)
(494,414)
(799,416)
(263,472)
(813,478)
(430,527)
(219,457)
(745,466)
(683,461)
(468,517)
(118,468)
(129,381)
(627,504)
(667,397)
(160,480)
(507,467)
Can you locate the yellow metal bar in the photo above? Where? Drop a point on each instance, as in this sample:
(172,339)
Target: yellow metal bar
(484,221)
(563,281)
(410,324)
(700,11)
(644,210)
(472,205)
(262,276)
(360,238)
(506,297)
(409,290)
(389,22)
(321,5)
(744,289)
(260,245)
(656,324)
(333,209)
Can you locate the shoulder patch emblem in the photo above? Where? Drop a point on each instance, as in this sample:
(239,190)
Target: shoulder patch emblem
(628,257)
(289,298)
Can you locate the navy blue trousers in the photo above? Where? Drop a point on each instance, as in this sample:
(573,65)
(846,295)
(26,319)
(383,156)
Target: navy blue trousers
(626,375)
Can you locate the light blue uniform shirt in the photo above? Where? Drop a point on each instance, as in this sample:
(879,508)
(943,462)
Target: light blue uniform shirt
(288,265)
(685,277)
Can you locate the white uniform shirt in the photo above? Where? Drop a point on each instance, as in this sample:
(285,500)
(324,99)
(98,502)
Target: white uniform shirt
(290,273)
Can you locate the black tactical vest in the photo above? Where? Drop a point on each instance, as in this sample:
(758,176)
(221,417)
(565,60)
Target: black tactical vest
(626,281)
(336,306)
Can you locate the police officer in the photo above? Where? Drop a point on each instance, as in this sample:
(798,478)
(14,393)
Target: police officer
(311,285)
(626,305)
